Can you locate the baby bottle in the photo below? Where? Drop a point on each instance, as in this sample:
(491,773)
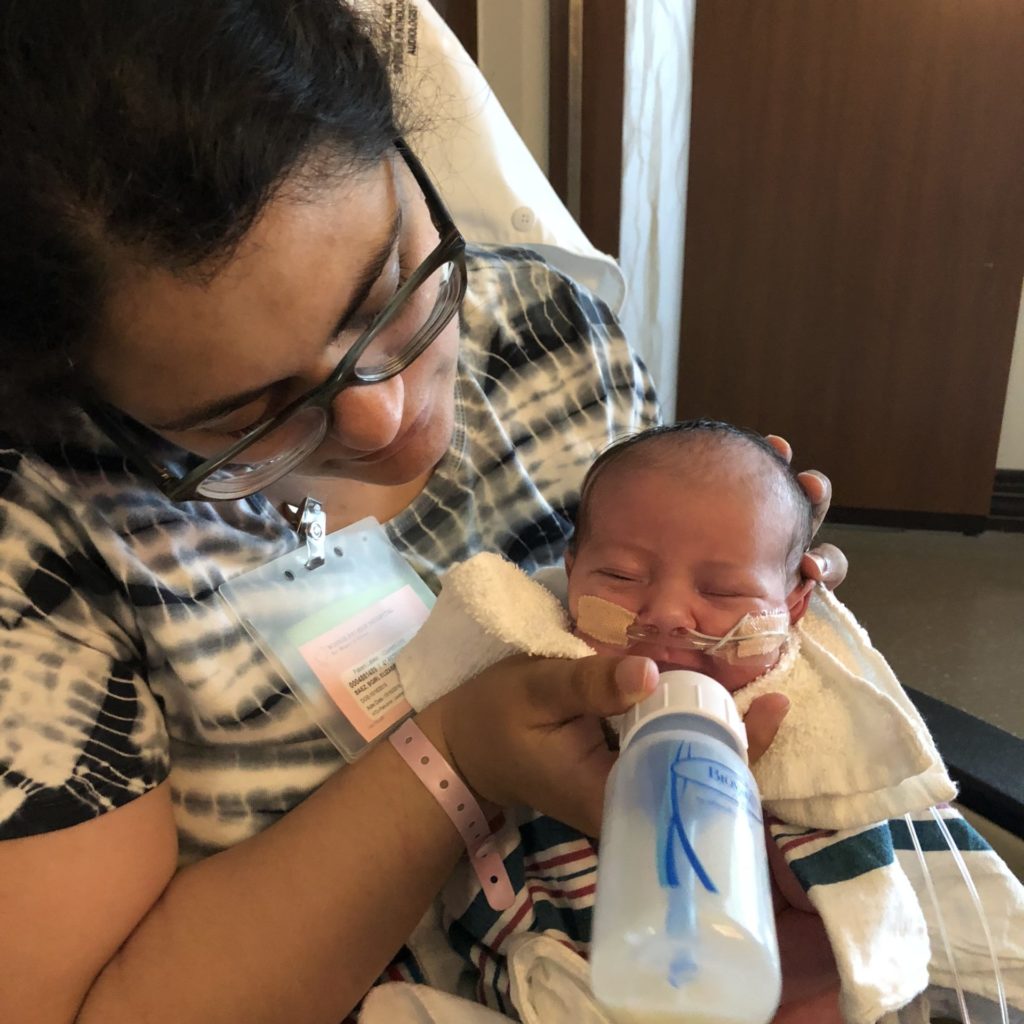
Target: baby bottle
(683,923)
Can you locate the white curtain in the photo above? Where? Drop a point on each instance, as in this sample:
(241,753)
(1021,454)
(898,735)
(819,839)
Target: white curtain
(655,155)
(498,193)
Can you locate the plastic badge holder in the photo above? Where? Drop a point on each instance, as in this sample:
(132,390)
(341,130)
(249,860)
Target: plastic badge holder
(333,632)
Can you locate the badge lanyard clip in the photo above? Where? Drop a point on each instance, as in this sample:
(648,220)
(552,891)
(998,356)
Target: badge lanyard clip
(312,528)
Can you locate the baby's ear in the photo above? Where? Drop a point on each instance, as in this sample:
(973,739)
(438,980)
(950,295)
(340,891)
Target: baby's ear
(568,560)
(798,600)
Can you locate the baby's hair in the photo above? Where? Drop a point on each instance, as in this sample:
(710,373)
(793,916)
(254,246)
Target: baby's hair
(700,437)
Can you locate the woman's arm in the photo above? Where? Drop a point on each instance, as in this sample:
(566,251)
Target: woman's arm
(293,925)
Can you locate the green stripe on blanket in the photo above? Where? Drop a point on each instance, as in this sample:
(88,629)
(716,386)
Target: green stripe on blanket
(930,836)
(848,858)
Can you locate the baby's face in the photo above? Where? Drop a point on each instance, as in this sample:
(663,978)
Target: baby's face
(684,553)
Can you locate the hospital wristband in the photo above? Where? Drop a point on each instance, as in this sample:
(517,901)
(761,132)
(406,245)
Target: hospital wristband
(461,807)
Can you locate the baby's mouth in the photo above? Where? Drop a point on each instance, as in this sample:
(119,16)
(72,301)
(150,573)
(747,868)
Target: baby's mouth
(670,659)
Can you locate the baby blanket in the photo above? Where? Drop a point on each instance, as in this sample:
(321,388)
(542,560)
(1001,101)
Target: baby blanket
(852,759)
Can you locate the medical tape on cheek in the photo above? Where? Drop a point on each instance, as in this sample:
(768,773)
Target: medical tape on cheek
(603,621)
(755,635)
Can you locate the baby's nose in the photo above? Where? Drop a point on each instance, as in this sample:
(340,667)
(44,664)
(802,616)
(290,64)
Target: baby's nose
(669,608)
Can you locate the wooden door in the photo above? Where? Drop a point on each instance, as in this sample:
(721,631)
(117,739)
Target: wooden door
(587,52)
(855,237)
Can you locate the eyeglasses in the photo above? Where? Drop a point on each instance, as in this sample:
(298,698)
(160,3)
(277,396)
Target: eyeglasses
(398,335)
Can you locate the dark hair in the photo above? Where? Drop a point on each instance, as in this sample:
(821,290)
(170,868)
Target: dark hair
(711,436)
(157,130)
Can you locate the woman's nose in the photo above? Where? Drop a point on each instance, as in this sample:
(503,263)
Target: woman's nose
(367,417)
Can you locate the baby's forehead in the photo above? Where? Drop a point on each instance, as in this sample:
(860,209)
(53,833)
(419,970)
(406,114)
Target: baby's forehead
(714,471)
(643,489)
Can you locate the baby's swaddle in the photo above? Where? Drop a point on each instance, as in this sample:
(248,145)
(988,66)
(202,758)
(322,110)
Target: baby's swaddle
(852,750)
(851,757)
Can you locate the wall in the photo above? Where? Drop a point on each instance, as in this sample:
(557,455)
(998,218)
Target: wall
(512,41)
(1011,440)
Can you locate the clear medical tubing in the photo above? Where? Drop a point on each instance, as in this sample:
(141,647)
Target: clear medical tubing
(965,877)
(683,905)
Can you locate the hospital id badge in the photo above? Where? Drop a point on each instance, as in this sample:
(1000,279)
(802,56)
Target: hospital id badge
(333,626)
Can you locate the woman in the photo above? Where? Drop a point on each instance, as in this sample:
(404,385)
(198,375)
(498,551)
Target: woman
(205,206)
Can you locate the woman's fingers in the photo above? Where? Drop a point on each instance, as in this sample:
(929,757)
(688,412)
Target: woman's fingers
(825,564)
(781,445)
(816,485)
(528,730)
(597,686)
(818,488)
(762,720)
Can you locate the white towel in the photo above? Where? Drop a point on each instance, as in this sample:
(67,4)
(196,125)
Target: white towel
(400,1002)
(549,985)
(853,749)
(845,698)
(488,609)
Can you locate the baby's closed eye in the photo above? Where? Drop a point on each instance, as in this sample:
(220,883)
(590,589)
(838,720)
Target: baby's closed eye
(621,576)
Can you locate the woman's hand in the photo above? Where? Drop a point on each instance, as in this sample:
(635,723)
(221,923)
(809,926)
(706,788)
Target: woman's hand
(527,731)
(762,721)
(810,978)
(824,564)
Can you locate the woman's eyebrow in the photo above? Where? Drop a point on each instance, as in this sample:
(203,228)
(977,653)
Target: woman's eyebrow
(371,273)
(367,279)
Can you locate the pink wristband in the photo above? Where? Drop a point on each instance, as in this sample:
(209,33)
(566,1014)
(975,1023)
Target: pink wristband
(460,805)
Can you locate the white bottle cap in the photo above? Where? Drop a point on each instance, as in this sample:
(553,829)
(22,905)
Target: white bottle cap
(689,693)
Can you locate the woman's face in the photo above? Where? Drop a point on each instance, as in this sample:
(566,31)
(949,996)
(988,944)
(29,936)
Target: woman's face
(200,363)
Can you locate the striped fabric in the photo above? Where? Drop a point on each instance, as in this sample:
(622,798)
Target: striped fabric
(119,665)
(874,892)
(866,883)
(553,870)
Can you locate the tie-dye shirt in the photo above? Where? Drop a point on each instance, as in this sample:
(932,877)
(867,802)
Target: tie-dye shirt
(120,667)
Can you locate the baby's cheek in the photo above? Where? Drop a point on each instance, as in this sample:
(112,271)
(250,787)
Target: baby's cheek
(735,675)
(599,648)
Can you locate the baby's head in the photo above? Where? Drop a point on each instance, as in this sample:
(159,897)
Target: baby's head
(691,526)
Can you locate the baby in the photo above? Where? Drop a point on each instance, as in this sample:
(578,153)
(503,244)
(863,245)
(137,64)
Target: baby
(687,550)
(691,529)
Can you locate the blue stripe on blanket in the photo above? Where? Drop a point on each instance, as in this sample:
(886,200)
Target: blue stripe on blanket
(542,834)
(846,859)
(409,966)
(545,914)
(930,836)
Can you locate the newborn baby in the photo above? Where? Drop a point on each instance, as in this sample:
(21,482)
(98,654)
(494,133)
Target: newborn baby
(687,551)
(684,534)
